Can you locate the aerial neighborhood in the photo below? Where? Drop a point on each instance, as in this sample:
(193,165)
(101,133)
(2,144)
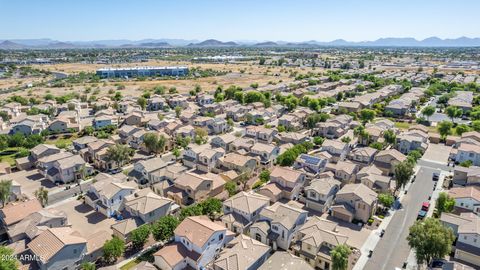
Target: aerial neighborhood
(229,156)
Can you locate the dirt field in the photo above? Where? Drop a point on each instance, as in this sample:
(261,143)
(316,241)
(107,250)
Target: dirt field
(241,74)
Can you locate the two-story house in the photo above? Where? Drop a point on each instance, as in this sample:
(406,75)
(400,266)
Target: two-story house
(355,202)
(319,194)
(277,225)
(266,152)
(466,198)
(242,253)
(312,164)
(242,209)
(107,193)
(337,149)
(191,187)
(284,183)
(197,242)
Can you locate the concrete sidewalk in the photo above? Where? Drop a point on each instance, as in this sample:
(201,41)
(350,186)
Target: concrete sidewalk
(374,236)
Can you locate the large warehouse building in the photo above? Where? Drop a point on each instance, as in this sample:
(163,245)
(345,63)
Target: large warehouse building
(141,72)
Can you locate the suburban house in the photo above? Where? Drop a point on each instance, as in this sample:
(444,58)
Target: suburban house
(13,213)
(335,127)
(311,164)
(223,141)
(466,175)
(355,202)
(59,248)
(145,171)
(144,206)
(242,209)
(373,178)
(337,149)
(277,225)
(197,243)
(282,260)
(386,160)
(412,140)
(260,133)
(191,187)
(29,227)
(466,198)
(345,171)
(242,253)
(266,152)
(316,239)
(238,163)
(362,156)
(107,193)
(69,169)
(319,194)
(467,152)
(284,183)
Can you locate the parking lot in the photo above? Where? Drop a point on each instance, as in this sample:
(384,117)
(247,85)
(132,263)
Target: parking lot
(83,218)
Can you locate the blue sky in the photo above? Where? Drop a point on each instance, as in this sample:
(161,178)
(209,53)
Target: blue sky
(296,20)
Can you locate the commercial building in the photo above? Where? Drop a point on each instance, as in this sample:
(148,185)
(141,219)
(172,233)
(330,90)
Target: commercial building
(141,72)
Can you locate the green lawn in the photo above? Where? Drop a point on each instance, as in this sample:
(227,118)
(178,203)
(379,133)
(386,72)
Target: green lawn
(62,141)
(402,125)
(130,264)
(9,155)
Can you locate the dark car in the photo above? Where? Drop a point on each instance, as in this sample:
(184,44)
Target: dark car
(382,232)
(421,214)
(370,253)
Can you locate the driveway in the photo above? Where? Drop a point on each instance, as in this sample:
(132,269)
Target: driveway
(437,153)
(30,181)
(83,218)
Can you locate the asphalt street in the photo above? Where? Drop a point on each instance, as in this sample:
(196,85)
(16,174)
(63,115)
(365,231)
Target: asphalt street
(392,250)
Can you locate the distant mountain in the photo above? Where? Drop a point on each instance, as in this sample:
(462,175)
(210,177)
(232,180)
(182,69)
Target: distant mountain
(266,44)
(9,45)
(46,43)
(147,45)
(213,43)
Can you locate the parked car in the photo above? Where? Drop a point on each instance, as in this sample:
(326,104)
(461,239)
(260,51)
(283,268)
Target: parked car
(421,214)
(382,232)
(425,206)
(435,176)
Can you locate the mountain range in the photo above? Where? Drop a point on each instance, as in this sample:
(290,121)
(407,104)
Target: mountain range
(15,44)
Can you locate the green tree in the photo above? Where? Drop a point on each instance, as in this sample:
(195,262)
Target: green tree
(386,199)
(444,128)
(346,139)
(339,256)
(8,261)
(403,172)
(88,266)
(444,203)
(178,111)
(428,111)
(5,190)
(367,115)
(390,136)
(231,187)
(42,196)
(120,154)
(430,239)
(140,235)
(201,135)
(453,112)
(113,249)
(88,130)
(142,102)
(265,176)
(154,143)
(462,128)
(318,140)
(162,230)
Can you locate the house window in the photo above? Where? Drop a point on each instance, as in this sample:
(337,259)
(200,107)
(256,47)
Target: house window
(220,237)
(258,237)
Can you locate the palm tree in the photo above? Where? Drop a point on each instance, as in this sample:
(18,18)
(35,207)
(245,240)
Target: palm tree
(5,187)
(42,196)
(83,175)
